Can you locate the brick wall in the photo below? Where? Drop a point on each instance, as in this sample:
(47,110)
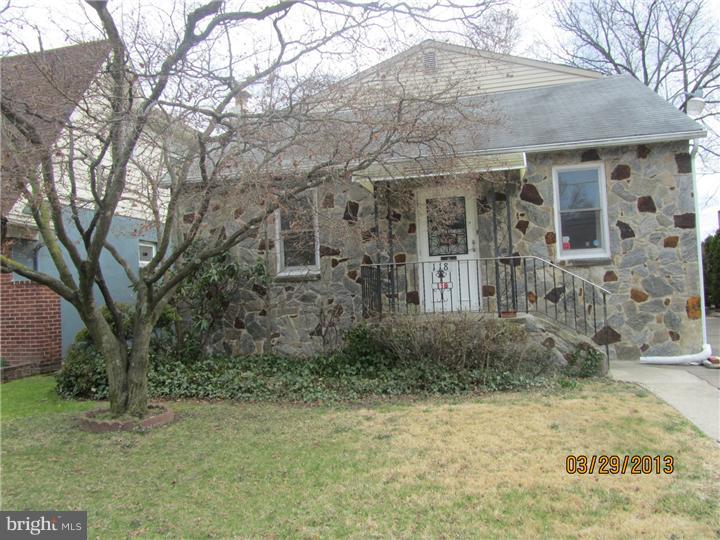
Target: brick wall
(30,337)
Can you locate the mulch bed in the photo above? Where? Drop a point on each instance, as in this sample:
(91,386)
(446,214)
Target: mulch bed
(159,415)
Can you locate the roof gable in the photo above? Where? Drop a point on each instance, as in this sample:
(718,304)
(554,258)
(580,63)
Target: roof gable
(433,66)
(44,88)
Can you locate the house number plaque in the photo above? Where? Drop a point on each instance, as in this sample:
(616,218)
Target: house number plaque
(441,281)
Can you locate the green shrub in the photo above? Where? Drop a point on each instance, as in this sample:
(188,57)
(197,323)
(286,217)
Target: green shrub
(83,373)
(361,354)
(204,297)
(711,269)
(413,356)
(584,362)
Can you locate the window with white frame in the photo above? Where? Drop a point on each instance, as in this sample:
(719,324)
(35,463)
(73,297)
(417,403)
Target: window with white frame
(146,252)
(297,235)
(581,222)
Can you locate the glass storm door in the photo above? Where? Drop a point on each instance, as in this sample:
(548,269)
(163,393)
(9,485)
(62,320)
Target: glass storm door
(449,272)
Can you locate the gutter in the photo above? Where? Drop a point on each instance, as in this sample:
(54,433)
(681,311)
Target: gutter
(698,242)
(612,141)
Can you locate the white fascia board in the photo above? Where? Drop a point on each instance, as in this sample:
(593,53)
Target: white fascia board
(365,179)
(362,179)
(616,141)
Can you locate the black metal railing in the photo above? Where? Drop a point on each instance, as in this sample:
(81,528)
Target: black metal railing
(499,285)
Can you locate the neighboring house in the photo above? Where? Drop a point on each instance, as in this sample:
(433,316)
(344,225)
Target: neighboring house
(55,89)
(575,202)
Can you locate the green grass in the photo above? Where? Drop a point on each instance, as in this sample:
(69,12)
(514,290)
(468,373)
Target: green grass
(35,396)
(490,466)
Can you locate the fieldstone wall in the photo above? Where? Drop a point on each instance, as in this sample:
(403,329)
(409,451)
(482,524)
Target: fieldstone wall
(299,315)
(654,308)
(309,314)
(559,340)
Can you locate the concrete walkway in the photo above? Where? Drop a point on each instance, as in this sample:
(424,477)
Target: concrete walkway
(693,390)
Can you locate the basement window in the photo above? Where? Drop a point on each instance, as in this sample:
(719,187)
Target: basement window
(297,236)
(581,222)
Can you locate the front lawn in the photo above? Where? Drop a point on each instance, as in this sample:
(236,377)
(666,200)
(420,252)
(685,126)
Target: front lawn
(33,396)
(472,467)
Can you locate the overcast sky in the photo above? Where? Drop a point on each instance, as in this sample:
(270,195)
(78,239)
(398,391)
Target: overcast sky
(54,16)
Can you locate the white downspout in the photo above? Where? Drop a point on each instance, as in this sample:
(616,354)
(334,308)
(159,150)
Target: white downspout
(706,351)
(695,358)
(698,241)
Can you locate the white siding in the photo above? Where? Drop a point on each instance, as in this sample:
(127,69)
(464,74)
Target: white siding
(466,72)
(142,193)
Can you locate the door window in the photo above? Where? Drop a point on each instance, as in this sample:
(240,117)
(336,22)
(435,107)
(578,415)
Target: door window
(447,226)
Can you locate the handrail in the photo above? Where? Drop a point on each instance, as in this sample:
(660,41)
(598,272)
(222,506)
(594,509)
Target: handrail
(504,258)
(488,285)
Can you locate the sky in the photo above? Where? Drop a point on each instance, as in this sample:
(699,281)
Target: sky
(52,15)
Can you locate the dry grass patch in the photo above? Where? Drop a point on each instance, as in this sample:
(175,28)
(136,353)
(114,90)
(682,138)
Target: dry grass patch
(491,466)
(505,456)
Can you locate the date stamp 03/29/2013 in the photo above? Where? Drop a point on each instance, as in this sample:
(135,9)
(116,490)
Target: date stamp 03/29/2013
(615,464)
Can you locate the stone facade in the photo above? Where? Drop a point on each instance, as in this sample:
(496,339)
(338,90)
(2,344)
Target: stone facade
(652,272)
(298,315)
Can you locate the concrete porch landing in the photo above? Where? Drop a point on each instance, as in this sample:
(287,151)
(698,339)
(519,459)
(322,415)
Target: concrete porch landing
(693,390)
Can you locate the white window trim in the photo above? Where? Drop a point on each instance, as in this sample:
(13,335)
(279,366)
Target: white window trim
(297,271)
(150,244)
(583,254)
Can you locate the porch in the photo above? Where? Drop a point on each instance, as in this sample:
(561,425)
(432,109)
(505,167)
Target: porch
(471,240)
(501,286)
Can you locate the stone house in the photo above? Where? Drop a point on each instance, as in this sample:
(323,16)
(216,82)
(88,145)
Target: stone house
(576,203)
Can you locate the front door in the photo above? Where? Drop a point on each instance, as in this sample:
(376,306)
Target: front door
(449,272)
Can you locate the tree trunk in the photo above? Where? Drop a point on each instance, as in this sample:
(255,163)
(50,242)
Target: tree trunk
(116,361)
(138,369)
(126,370)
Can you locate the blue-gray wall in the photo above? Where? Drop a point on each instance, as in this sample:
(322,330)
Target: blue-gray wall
(125,235)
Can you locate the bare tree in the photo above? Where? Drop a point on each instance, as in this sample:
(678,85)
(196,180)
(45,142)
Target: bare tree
(499,34)
(166,125)
(670,46)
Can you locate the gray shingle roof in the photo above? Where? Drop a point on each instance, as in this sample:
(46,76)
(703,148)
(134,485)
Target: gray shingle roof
(603,112)
(600,112)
